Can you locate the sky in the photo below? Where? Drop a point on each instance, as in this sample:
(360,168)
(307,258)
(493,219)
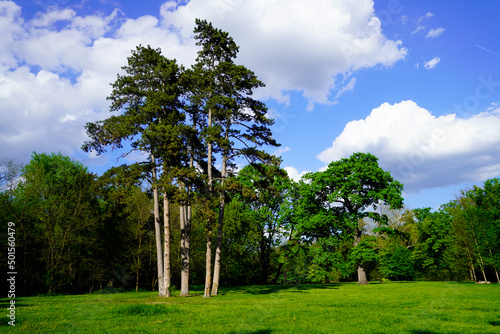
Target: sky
(416,83)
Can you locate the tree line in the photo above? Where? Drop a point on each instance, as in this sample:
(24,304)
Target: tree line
(188,215)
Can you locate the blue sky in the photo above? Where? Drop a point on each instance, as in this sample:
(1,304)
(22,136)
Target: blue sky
(417,83)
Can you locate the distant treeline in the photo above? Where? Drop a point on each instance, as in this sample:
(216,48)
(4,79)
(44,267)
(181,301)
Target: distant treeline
(76,232)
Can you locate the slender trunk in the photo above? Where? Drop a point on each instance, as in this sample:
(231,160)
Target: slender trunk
(471,266)
(184,250)
(156,211)
(138,266)
(215,284)
(166,246)
(361,271)
(481,263)
(208,268)
(495,267)
(185,221)
(263,262)
(278,272)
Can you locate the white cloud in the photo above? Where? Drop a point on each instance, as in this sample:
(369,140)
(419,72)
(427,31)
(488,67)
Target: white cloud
(56,69)
(428,15)
(281,150)
(55,80)
(421,150)
(435,32)
(417,30)
(432,63)
(294,174)
(295,45)
(349,87)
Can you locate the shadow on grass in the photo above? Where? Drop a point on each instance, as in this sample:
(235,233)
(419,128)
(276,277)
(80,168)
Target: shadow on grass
(270,289)
(495,323)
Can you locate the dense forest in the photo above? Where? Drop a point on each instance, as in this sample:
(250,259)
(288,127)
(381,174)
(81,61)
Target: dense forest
(210,207)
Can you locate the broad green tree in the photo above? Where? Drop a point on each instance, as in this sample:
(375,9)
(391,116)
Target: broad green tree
(62,207)
(348,191)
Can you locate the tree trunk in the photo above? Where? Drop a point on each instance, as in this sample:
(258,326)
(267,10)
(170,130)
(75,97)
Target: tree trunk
(138,265)
(361,271)
(208,268)
(263,259)
(166,247)
(495,267)
(218,251)
(278,272)
(156,211)
(362,276)
(184,222)
(481,263)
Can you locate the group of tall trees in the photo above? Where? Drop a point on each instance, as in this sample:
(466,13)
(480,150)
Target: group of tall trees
(185,120)
(187,214)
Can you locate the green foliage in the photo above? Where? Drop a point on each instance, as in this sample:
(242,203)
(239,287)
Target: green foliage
(364,254)
(59,217)
(396,263)
(340,196)
(429,253)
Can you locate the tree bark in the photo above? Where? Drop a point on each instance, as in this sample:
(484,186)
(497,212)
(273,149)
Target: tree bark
(218,251)
(208,264)
(184,222)
(362,276)
(166,246)
(361,271)
(156,210)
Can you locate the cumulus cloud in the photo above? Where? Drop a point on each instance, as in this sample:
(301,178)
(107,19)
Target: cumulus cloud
(295,45)
(294,174)
(281,150)
(56,68)
(435,32)
(432,63)
(421,150)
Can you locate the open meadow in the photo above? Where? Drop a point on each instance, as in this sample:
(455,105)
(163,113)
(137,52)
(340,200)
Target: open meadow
(414,307)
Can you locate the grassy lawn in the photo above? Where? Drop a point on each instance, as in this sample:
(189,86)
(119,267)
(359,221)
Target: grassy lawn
(422,307)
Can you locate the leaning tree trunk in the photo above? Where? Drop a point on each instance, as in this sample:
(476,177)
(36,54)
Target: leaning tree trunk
(156,210)
(481,262)
(361,271)
(166,246)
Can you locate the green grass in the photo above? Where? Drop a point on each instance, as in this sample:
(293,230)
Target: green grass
(421,307)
